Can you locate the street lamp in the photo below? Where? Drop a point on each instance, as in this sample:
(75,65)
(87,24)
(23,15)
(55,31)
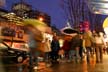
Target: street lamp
(41,19)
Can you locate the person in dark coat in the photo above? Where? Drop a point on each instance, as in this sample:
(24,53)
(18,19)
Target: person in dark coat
(74,50)
(55,47)
(81,49)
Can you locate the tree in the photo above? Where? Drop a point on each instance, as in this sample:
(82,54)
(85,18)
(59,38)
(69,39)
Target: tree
(77,11)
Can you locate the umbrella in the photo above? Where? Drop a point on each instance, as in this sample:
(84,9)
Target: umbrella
(41,26)
(69,31)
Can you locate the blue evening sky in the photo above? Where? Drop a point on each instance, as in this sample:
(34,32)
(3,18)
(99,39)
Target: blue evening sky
(51,7)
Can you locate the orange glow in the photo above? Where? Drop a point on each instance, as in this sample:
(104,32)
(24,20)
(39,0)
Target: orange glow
(40,18)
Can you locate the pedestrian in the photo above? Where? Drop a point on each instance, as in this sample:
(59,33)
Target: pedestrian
(82,47)
(34,36)
(66,47)
(74,50)
(88,44)
(107,47)
(99,48)
(47,51)
(55,47)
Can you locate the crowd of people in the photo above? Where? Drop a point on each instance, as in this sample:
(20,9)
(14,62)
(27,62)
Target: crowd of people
(85,44)
(76,47)
(73,49)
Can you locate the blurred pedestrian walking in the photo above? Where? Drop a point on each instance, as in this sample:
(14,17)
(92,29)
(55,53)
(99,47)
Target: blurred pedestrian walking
(74,50)
(99,48)
(55,46)
(34,36)
(48,50)
(66,47)
(88,43)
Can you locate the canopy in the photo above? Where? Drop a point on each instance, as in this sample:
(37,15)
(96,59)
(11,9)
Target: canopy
(69,31)
(36,23)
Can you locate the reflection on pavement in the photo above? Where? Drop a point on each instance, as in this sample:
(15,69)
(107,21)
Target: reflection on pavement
(63,67)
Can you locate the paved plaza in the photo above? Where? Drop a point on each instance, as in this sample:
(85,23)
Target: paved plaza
(64,67)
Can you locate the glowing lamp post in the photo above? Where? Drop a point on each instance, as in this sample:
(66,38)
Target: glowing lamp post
(41,19)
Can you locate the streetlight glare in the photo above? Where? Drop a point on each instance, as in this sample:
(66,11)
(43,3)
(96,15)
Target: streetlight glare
(40,18)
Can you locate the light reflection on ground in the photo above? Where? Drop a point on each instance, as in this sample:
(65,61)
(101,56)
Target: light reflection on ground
(68,67)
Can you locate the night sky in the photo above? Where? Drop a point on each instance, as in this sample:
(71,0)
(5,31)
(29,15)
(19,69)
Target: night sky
(51,7)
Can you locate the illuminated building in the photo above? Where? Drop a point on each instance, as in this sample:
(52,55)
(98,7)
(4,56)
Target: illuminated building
(25,10)
(36,14)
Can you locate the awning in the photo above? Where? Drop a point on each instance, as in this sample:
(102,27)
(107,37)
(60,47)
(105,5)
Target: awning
(41,26)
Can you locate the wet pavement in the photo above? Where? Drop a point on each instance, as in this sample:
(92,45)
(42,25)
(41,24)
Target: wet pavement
(63,66)
(81,67)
